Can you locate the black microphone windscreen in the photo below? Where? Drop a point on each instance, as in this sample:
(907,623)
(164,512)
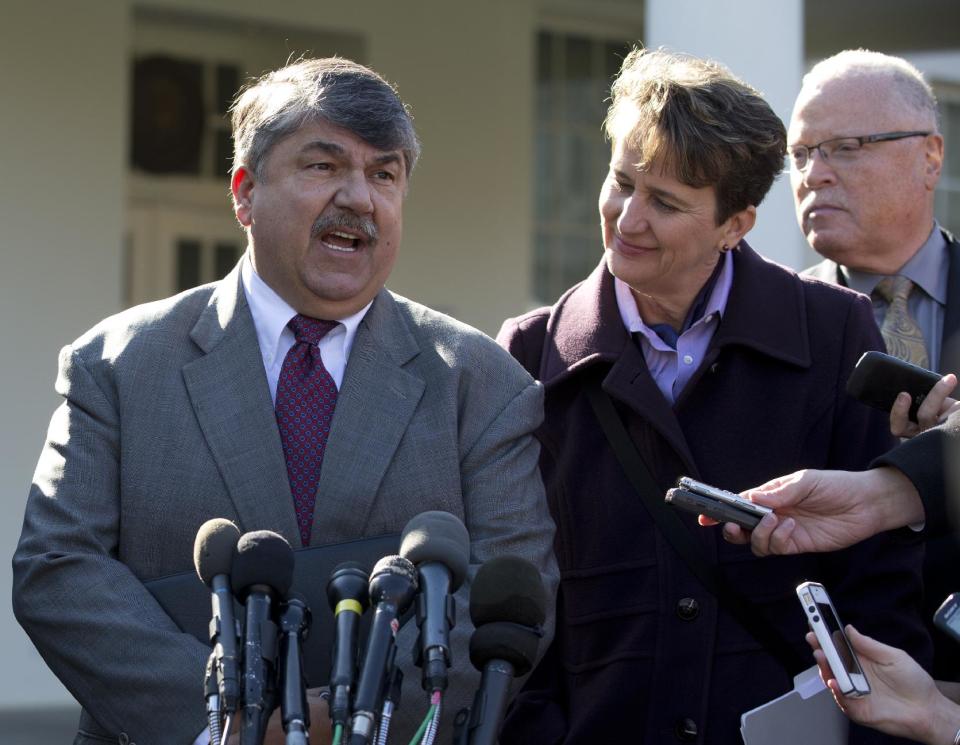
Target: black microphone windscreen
(348,581)
(263,558)
(508,588)
(510,642)
(441,537)
(396,565)
(393,580)
(214,548)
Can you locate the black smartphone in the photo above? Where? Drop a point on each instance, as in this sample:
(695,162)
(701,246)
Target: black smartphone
(947,617)
(725,506)
(879,377)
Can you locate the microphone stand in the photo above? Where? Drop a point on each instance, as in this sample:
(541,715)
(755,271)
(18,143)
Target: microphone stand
(294,624)
(212,694)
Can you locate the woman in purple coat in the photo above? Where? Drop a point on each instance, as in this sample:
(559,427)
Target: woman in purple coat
(722,366)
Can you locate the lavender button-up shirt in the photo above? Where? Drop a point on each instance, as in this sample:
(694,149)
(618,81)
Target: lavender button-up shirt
(672,368)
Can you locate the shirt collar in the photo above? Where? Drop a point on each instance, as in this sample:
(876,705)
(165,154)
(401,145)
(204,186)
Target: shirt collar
(717,302)
(271,314)
(927,269)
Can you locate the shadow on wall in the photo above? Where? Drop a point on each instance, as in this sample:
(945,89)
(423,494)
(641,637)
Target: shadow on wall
(40,726)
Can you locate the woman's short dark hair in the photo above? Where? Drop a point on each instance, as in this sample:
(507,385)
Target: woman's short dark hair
(694,117)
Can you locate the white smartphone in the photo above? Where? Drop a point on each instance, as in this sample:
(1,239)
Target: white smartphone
(826,624)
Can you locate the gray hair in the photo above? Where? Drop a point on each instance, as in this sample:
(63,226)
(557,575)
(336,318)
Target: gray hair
(332,89)
(906,79)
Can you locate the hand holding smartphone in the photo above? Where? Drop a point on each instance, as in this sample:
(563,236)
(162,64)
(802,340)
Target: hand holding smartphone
(825,624)
(878,378)
(721,505)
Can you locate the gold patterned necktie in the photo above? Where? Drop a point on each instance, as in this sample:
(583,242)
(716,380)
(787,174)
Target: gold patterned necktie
(900,331)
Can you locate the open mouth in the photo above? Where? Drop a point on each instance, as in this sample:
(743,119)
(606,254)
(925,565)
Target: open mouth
(339,240)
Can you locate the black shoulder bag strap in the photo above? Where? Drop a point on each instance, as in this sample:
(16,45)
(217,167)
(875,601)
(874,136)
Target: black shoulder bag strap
(677,534)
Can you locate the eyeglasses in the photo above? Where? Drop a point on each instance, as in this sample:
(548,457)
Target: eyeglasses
(843,150)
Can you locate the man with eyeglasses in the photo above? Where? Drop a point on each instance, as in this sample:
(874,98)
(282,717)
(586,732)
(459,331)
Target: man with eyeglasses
(865,156)
(866,153)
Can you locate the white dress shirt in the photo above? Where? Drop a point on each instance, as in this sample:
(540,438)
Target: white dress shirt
(271,314)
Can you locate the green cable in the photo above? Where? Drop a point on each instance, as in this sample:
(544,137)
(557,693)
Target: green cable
(423,726)
(337,734)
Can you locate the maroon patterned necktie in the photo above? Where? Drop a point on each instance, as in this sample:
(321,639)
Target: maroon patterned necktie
(306,397)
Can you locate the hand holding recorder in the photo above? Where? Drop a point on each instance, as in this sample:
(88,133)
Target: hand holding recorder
(827,510)
(720,505)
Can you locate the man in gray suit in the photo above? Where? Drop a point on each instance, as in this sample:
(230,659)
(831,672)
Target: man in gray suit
(866,155)
(169,415)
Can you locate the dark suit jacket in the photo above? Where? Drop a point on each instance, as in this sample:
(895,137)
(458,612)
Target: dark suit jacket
(167,421)
(943,546)
(932,462)
(631,661)
(829,271)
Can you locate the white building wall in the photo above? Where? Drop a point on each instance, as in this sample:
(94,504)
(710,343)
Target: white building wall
(63,123)
(762,43)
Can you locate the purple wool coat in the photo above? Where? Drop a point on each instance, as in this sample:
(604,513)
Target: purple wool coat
(642,652)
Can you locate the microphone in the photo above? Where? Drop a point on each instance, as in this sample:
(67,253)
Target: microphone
(262,572)
(213,552)
(294,625)
(438,543)
(349,598)
(508,607)
(393,585)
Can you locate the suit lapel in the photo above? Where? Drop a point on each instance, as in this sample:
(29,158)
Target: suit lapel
(231,400)
(374,407)
(950,349)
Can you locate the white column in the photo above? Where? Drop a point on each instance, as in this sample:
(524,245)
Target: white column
(762,43)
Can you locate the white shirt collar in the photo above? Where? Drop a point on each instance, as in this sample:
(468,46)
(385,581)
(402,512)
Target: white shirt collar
(271,314)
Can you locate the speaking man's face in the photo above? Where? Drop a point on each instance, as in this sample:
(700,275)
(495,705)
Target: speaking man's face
(325,218)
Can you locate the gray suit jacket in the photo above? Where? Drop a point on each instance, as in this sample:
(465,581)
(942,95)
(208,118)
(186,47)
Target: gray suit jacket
(829,271)
(168,421)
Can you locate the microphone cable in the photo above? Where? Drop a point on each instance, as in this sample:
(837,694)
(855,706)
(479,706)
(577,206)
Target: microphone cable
(419,737)
(228,725)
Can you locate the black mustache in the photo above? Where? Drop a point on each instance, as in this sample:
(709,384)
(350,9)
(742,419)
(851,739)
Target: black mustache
(345,221)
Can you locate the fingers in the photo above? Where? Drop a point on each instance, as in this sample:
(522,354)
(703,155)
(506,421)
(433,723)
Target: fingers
(773,535)
(760,536)
(952,409)
(937,403)
(784,491)
(869,648)
(900,424)
(826,675)
(733,533)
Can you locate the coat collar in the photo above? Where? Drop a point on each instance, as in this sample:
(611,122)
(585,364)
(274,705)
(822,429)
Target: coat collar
(766,312)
